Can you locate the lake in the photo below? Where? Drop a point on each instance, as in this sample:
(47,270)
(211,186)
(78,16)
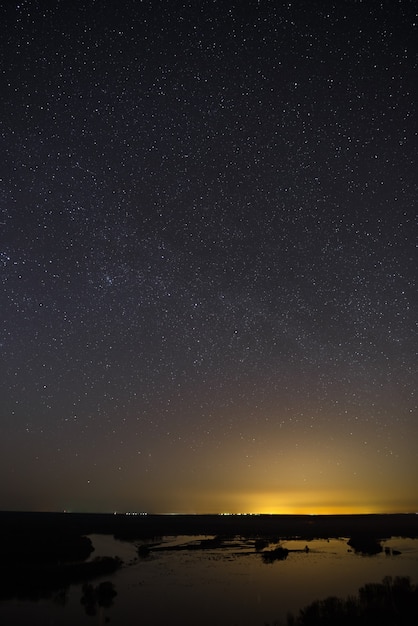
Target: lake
(229,585)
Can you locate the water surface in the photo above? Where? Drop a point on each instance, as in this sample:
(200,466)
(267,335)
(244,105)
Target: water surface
(226,586)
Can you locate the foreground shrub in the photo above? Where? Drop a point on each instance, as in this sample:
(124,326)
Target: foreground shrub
(393,602)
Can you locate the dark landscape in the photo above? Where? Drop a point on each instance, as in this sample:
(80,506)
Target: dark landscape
(21,524)
(42,554)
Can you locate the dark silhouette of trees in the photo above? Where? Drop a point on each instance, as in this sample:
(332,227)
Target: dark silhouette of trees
(93,597)
(365,544)
(393,602)
(278,554)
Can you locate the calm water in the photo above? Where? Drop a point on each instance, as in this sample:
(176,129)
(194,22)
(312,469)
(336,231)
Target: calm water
(222,587)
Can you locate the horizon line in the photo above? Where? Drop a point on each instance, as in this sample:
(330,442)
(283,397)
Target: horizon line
(133,513)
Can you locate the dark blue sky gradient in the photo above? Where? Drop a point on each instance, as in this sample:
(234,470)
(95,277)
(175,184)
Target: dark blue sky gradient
(208,228)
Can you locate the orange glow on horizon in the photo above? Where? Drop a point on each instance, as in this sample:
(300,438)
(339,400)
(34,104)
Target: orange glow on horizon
(295,503)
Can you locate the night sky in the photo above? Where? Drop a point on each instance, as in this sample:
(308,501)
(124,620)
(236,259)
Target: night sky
(208,252)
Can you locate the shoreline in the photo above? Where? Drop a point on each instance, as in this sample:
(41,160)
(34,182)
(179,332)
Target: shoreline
(284,526)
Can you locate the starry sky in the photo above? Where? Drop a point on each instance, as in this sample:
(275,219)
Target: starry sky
(208,253)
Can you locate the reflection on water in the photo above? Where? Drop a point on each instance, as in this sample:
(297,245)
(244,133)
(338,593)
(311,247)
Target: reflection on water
(224,585)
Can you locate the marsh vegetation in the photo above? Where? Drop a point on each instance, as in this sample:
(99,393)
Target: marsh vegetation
(256,575)
(393,602)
